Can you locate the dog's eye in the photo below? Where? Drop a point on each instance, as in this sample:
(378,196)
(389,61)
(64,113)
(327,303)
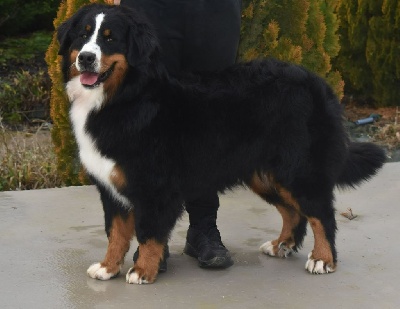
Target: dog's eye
(109,39)
(84,36)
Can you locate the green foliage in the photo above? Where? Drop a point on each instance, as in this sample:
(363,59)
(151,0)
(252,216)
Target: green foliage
(300,31)
(19,16)
(22,49)
(370,39)
(21,94)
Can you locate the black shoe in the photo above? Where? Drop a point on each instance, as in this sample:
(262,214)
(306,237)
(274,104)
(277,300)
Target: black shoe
(162,268)
(204,243)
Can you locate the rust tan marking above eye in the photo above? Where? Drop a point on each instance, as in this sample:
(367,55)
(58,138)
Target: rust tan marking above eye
(88,28)
(107,32)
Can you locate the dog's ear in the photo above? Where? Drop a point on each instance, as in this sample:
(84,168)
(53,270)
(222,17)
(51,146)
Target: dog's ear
(143,43)
(64,31)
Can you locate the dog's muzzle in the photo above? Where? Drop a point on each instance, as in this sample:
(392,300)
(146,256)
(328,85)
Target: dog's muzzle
(87,65)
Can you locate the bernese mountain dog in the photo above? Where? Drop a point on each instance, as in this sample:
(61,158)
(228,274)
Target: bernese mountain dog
(150,140)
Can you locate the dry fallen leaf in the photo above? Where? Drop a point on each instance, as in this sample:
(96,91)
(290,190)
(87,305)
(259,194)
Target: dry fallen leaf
(349,214)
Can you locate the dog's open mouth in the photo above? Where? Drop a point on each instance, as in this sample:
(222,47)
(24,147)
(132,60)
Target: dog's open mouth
(92,79)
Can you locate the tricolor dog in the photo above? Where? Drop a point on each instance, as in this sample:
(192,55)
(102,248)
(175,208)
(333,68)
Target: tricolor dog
(150,141)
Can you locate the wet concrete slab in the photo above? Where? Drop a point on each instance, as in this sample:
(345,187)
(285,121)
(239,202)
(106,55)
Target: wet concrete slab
(48,238)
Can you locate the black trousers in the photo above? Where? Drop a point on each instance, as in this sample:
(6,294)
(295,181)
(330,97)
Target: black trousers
(195,35)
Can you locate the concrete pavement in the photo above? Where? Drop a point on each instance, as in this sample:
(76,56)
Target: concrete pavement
(48,238)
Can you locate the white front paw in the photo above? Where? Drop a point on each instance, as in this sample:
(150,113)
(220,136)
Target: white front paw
(96,271)
(133,278)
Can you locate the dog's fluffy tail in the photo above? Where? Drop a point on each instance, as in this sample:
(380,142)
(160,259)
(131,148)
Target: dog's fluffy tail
(363,162)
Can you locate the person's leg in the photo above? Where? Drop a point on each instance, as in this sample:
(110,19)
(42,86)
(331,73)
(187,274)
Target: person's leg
(203,240)
(212,31)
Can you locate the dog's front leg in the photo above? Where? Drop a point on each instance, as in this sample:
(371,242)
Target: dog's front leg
(121,232)
(155,217)
(120,228)
(145,269)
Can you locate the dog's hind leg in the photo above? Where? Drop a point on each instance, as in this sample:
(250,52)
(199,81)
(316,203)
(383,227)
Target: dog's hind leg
(292,234)
(317,206)
(322,259)
(293,222)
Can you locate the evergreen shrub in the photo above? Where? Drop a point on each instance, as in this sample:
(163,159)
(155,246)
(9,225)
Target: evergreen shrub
(300,31)
(369,58)
(21,16)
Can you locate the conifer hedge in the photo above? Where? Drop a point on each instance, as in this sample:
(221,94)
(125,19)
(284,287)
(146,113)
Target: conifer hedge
(300,31)
(369,58)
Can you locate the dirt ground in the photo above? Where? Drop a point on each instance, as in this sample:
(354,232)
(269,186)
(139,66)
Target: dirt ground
(384,131)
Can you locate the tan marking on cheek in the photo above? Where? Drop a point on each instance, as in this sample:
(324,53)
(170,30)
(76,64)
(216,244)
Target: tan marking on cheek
(117,177)
(121,233)
(150,255)
(73,71)
(322,249)
(120,69)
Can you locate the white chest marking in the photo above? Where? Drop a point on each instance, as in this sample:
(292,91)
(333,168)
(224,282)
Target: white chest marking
(83,102)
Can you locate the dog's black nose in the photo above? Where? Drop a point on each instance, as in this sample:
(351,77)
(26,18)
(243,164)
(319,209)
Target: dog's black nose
(86,59)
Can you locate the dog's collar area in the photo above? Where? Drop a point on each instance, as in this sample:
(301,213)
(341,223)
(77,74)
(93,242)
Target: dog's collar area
(92,79)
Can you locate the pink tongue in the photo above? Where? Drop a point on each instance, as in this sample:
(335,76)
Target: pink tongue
(89,78)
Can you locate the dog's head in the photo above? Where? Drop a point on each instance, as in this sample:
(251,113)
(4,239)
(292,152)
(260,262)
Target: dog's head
(100,44)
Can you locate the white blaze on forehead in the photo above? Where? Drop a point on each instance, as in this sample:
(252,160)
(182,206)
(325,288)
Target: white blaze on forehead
(91,46)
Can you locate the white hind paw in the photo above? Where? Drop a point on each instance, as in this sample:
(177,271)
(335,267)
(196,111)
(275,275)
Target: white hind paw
(315,266)
(267,248)
(282,250)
